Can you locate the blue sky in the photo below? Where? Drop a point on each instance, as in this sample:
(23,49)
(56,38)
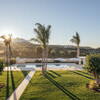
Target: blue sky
(65,16)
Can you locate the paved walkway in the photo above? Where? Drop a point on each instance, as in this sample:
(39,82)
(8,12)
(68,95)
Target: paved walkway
(20,89)
(14,68)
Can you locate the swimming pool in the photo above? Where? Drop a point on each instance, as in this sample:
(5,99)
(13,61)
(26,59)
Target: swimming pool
(50,66)
(40,65)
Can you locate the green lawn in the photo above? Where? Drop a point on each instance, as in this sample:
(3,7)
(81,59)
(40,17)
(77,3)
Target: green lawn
(60,85)
(11,81)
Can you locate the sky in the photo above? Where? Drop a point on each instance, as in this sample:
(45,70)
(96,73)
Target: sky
(65,16)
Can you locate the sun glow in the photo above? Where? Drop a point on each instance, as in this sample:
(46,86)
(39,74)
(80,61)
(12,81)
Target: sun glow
(7,36)
(6,32)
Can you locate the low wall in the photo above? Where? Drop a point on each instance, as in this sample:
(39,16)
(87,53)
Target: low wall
(33,60)
(20,60)
(29,60)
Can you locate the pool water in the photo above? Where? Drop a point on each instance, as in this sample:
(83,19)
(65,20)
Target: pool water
(40,65)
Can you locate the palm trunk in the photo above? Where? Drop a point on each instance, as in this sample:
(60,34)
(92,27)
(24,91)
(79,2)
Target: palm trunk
(6,50)
(96,78)
(46,58)
(43,61)
(9,54)
(78,51)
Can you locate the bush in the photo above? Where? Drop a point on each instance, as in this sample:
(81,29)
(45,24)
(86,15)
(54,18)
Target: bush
(1,65)
(93,63)
(93,66)
(13,61)
(93,85)
(56,61)
(37,61)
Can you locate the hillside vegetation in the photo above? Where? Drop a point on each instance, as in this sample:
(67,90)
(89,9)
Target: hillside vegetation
(22,48)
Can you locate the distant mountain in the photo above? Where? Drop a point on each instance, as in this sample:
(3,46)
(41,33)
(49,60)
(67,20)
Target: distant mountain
(19,40)
(71,46)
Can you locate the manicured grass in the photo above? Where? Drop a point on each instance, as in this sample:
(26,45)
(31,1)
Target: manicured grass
(60,85)
(11,80)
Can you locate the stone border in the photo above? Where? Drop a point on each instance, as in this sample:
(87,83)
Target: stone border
(20,89)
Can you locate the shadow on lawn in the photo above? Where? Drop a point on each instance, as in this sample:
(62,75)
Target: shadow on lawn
(0,73)
(13,84)
(72,96)
(85,73)
(82,75)
(25,73)
(51,75)
(55,73)
(7,87)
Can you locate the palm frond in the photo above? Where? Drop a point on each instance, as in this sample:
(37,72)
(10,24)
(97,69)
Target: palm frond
(33,39)
(72,40)
(38,24)
(42,35)
(76,39)
(3,37)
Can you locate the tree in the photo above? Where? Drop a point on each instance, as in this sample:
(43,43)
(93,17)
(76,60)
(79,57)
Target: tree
(6,47)
(42,37)
(76,40)
(9,46)
(53,52)
(7,41)
(93,66)
(62,53)
(72,53)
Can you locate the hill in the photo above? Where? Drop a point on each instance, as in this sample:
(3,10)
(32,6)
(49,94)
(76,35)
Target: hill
(23,48)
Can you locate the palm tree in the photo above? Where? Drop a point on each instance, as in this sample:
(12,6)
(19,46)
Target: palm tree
(76,40)
(7,41)
(42,37)
(9,46)
(6,47)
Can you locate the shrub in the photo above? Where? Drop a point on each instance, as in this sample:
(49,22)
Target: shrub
(53,52)
(13,61)
(93,66)
(57,61)
(1,65)
(93,85)
(37,61)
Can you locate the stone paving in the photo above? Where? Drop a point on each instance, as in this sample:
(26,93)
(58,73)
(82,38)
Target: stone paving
(20,89)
